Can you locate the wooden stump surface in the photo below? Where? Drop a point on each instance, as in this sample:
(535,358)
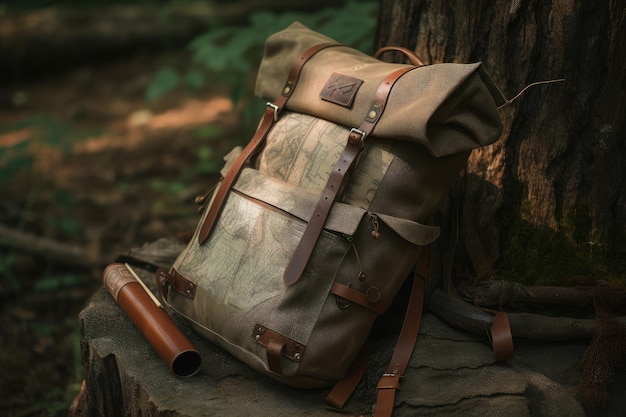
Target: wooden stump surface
(451,374)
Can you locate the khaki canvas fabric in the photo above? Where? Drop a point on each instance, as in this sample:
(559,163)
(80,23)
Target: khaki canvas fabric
(447,108)
(375,231)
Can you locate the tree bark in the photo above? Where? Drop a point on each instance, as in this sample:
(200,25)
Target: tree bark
(548,200)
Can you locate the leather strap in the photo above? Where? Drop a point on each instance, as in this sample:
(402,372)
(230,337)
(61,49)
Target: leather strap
(501,337)
(344,388)
(390,381)
(274,352)
(269,118)
(370,299)
(338,178)
(413,58)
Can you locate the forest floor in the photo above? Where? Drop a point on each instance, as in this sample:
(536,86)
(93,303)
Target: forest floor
(86,161)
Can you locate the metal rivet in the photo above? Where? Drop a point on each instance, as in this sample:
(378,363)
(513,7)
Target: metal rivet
(362,276)
(372,114)
(257,337)
(372,295)
(342,303)
(297,356)
(287,90)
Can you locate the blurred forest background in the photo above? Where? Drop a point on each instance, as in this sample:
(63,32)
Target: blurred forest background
(114,115)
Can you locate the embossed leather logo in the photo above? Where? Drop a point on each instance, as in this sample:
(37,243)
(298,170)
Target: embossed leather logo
(341,89)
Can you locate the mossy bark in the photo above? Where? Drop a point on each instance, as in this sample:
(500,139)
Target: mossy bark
(548,201)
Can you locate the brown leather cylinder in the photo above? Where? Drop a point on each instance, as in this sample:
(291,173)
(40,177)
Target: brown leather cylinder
(179,354)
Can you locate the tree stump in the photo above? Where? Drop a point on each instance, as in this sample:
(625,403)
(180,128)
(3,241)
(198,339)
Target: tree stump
(451,374)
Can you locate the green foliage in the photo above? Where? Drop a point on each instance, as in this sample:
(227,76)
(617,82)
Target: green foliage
(39,4)
(7,263)
(43,132)
(50,283)
(231,54)
(165,80)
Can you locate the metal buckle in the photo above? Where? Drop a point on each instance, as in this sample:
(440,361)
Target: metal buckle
(275,107)
(358,132)
(390,380)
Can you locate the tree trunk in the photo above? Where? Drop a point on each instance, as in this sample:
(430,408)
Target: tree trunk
(548,201)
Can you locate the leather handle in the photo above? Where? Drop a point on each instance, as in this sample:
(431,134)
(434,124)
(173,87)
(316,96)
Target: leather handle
(413,58)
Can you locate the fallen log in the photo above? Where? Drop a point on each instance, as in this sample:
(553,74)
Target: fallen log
(514,295)
(50,249)
(465,316)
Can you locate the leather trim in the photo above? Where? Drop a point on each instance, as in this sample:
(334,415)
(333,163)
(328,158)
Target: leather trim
(378,306)
(175,281)
(278,346)
(341,89)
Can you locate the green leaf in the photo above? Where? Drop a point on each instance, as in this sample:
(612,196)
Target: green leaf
(194,79)
(69,225)
(204,153)
(56,282)
(164,81)
(209,132)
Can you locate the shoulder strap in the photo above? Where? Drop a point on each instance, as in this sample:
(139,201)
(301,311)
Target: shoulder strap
(390,380)
(339,177)
(270,116)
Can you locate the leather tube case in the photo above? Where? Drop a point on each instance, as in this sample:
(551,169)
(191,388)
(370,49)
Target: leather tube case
(179,354)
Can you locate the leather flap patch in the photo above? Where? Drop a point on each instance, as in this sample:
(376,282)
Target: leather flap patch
(291,349)
(341,89)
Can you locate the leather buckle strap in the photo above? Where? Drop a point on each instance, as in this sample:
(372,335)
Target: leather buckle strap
(344,388)
(357,136)
(275,108)
(256,143)
(501,336)
(390,381)
(338,179)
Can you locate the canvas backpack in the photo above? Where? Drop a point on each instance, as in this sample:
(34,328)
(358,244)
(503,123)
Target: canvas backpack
(319,220)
